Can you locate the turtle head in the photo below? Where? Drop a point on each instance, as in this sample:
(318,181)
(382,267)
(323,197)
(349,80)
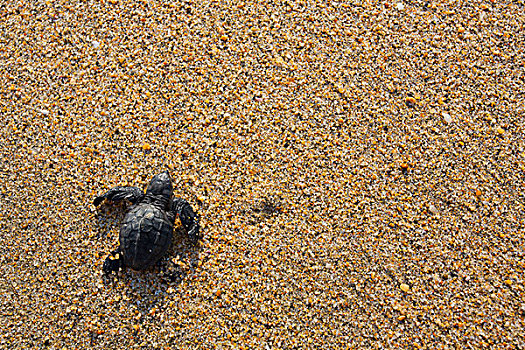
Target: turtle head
(160,185)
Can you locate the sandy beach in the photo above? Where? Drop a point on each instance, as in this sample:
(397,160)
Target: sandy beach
(358,168)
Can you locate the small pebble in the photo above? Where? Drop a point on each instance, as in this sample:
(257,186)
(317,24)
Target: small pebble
(447,117)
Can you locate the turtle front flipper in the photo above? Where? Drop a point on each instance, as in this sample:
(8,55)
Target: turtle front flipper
(188,218)
(113,262)
(120,193)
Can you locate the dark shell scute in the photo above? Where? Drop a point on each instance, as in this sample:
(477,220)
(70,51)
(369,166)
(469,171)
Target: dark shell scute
(145,236)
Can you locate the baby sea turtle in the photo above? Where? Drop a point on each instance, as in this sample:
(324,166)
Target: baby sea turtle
(147,230)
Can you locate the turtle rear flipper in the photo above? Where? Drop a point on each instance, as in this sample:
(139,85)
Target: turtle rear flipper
(120,193)
(113,262)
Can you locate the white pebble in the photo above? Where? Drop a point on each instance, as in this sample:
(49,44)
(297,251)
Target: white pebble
(400,6)
(447,117)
